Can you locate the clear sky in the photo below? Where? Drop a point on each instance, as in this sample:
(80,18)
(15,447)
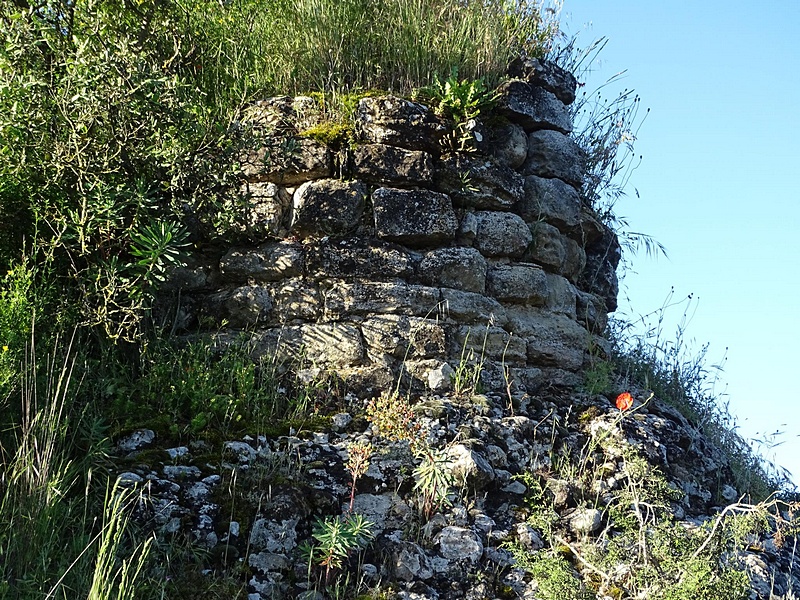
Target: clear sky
(719,184)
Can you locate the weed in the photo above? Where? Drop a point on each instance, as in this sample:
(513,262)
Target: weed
(357,465)
(434,478)
(336,539)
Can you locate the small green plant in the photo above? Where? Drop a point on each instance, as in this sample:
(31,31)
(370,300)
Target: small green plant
(336,539)
(434,478)
(466,376)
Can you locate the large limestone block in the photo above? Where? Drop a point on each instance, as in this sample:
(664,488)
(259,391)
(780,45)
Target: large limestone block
(518,283)
(508,144)
(389,164)
(397,122)
(415,218)
(287,161)
(551,200)
(403,337)
(270,262)
(478,182)
(487,342)
(458,268)
(362,298)
(327,207)
(501,234)
(359,257)
(546,74)
(326,344)
(555,251)
(470,307)
(553,340)
(533,107)
(562,296)
(264,209)
(241,307)
(296,300)
(553,154)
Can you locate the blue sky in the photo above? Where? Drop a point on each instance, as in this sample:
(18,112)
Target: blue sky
(719,184)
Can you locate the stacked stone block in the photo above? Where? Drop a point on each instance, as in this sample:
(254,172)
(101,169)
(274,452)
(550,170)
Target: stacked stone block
(402,256)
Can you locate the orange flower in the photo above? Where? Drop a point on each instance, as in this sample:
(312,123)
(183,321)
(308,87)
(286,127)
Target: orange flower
(624,401)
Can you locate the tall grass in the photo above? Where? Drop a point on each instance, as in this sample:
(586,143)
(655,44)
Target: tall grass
(255,47)
(58,539)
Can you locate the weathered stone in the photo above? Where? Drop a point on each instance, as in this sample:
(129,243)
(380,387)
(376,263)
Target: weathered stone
(458,268)
(265,210)
(271,262)
(414,218)
(296,299)
(509,144)
(375,508)
(139,439)
(241,452)
(553,154)
(380,298)
(327,207)
(280,115)
(397,122)
(266,562)
(192,277)
(484,342)
(241,307)
(478,182)
(458,543)
(410,562)
(469,468)
(501,234)
(555,251)
(551,200)
(546,74)
(357,257)
(533,107)
(287,161)
(522,283)
(440,377)
(585,521)
(402,336)
(591,312)
(529,537)
(553,340)
(333,344)
(562,296)
(469,307)
(389,164)
(273,536)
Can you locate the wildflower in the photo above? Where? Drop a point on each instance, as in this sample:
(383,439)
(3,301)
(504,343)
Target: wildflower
(5,348)
(624,401)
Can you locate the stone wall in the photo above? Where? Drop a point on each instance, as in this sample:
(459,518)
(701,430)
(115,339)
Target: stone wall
(421,246)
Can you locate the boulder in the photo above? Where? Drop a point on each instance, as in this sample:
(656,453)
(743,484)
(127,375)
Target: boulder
(271,262)
(415,218)
(533,107)
(518,283)
(398,122)
(478,182)
(550,200)
(380,163)
(553,154)
(457,268)
(327,207)
(501,234)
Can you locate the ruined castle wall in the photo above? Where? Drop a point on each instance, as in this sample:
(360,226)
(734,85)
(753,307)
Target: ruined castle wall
(420,247)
